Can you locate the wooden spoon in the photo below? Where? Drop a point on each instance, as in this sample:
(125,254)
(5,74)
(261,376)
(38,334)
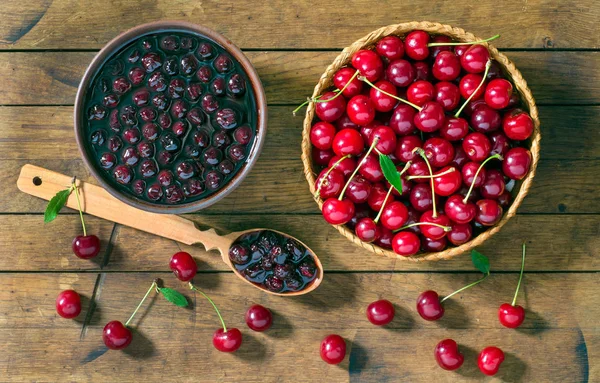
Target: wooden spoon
(96,201)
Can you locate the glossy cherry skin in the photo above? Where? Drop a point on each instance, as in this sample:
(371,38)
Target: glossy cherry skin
(228,341)
(430,231)
(498,93)
(368,63)
(421,70)
(504,199)
(418,167)
(183,266)
(367,230)
(386,139)
(321,135)
(446,66)
(321,157)
(446,94)
(333,349)
(468,174)
(346,166)
(420,197)
(430,118)
(358,189)
(338,212)
(394,215)
(329,186)
(420,92)
(68,304)
(460,233)
(116,336)
(448,183)
(438,151)
(400,73)
(458,211)
(433,245)
(490,359)
(259,318)
(86,247)
(377,196)
(429,306)
(454,129)
(493,185)
(460,157)
(402,120)
(390,47)
(475,58)
(489,212)
(385,238)
(330,111)
(406,243)
(511,316)
(517,163)
(370,167)
(348,141)
(361,110)
(517,125)
(477,146)
(381,312)
(467,85)
(447,355)
(485,119)
(381,101)
(341,78)
(434,51)
(415,45)
(500,144)
(405,146)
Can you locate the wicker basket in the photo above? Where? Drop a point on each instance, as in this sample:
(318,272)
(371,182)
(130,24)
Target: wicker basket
(457,34)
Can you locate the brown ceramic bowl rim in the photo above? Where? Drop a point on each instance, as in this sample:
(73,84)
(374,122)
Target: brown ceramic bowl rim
(175,26)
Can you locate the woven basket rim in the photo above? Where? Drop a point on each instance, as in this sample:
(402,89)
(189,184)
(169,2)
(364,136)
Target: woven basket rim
(457,34)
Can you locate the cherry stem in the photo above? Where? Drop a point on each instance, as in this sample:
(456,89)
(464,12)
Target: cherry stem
(467,43)
(520,277)
(317,99)
(498,156)
(152,286)
(487,69)
(328,172)
(361,78)
(73,186)
(375,140)
(422,154)
(192,287)
(466,287)
(448,171)
(392,187)
(446,228)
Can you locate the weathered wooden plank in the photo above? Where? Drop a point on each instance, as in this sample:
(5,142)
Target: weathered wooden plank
(48,78)
(559,341)
(63,24)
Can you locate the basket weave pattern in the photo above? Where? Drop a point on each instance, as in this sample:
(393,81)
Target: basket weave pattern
(457,34)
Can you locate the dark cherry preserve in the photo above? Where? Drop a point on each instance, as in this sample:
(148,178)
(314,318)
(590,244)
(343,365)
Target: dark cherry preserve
(171,118)
(275,262)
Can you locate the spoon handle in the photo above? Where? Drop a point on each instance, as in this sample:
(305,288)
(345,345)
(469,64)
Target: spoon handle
(96,201)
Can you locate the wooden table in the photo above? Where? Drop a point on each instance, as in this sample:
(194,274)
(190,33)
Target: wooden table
(45,47)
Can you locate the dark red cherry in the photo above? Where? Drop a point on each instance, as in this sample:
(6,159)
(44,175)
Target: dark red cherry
(439,151)
(330,111)
(183,266)
(458,211)
(475,58)
(446,94)
(368,63)
(330,185)
(490,359)
(381,312)
(394,215)
(459,50)
(68,304)
(460,233)
(430,118)
(468,174)
(500,144)
(420,92)
(402,120)
(431,231)
(517,163)
(338,212)
(517,125)
(386,139)
(341,79)
(228,341)
(348,141)
(433,245)
(385,238)
(400,73)
(446,66)
(489,212)
(460,157)
(333,349)
(435,50)
(367,230)
(454,129)
(429,306)
(346,166)
(493,184)
(382,102)
(511,316)
(358,189)
(116,336)
(86,247)
(406,243)
(498,93)
(365,131)
(377,196)
(321,135)
(259,318)
(415,45)
(447,355)
(468,84)
(322,157)
(370,168)
(345,122)
(477,146)
(421,198)
(390,47)
(447,184)
(361,110)
(405,146)
(504,199)
(485,119)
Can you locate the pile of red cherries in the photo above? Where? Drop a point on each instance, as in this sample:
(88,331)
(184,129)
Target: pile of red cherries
(450,121)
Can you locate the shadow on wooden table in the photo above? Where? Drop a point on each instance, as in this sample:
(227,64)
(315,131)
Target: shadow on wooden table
(284,326)
(534,323)
(252,349)
(141,347)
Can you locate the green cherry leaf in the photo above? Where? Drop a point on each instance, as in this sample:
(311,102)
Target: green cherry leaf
(480,261)
(56,203)
(390,172)
(174,296)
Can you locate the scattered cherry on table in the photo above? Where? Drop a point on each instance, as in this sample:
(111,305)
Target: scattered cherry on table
(333,349)
(68,304)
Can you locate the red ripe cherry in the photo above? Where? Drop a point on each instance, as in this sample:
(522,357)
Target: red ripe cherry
(405,146)
(446,66)
(370,168)
(86,246)
(460,233)
(361,110)
(446,94)
(385,238)
(321,157)
(490,359)
(394,215)
(517,125)
(439,151)
(517,163)
(433,245)
(333,349)
(473,105)
(116,336)
(338,212)
(368,63)
(429,306)
(367,230)
(454,129)
(406,243)
(68,304)
(386,139)
(460,157)
(381,312)
(390,47)
(431,231)
(430,118)
(460,50)
(321,135)
(348,141)
(489,212)
(332,185)
(381,101)
(421,70)
(400,73)
(345,122)
(402,120)
(458,211)
(468,84)
(500,144)
(228,341)
(415,45)
(475,58)
(418,167)
(447,355)
(448,183)
(477,146)
(493,185)
(497,93)
(346,166)
(259,318)
(330,111)
(365,131)
(420,92)
(341,79)
(468,174)
(485,119)
(183,266)
(421,198)
(358,189)
(511,316)
(376,197)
